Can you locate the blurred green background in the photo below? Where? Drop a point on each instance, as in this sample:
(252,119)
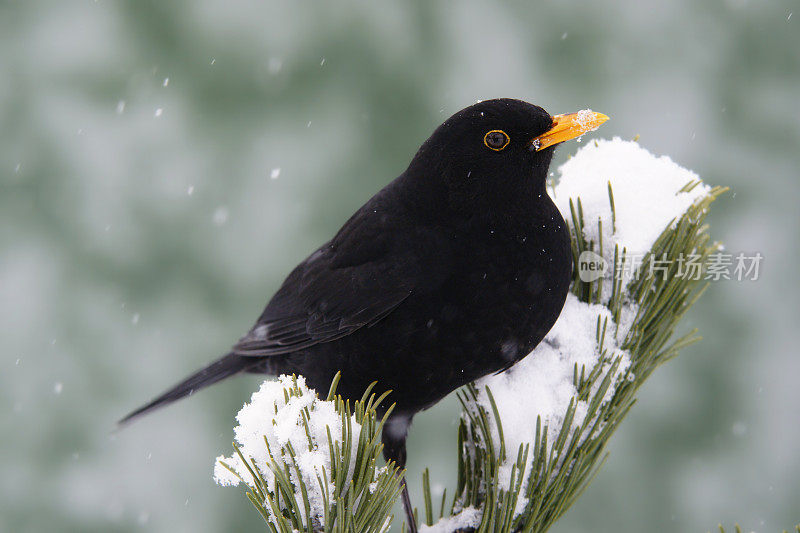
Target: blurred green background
(141,231)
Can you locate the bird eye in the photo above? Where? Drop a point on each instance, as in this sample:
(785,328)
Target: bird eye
(496,140)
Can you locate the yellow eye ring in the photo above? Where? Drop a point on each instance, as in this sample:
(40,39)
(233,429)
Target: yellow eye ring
(496,140)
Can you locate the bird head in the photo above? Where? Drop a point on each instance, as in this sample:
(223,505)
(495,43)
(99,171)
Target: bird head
(498,151)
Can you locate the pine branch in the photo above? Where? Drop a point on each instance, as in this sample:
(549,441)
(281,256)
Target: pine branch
(324,477)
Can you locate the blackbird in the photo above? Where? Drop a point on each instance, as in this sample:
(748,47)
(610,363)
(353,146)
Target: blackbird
(456,269)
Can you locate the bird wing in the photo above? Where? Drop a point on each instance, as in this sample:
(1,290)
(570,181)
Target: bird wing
(353,281)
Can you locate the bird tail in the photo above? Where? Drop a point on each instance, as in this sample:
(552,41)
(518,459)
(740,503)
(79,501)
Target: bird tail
(220,369)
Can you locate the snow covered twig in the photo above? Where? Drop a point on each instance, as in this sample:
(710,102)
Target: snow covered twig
(311,464)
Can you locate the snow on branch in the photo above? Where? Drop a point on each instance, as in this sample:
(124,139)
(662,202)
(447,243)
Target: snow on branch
(310,464)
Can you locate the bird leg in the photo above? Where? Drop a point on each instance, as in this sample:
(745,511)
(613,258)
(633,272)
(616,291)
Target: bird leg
(410,519)
(395,431)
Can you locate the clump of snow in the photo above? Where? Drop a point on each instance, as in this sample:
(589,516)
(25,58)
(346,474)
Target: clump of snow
(584,118)
(469,517)
(542,385)
(275,414)
(647,197)
(275,173)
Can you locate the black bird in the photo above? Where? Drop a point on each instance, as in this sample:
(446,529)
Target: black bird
(455,270)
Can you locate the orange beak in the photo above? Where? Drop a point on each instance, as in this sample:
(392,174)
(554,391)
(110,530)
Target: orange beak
(566,127)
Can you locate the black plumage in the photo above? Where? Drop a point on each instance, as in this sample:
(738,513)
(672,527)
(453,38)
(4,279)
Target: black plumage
(454,270)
